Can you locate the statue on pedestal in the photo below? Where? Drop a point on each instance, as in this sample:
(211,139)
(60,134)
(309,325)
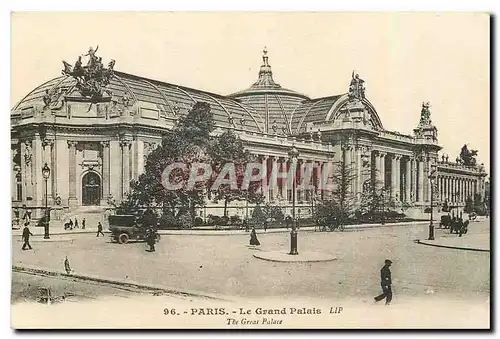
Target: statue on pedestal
(356,88)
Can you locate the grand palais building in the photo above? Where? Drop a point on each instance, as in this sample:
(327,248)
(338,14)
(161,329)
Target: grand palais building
(94,126)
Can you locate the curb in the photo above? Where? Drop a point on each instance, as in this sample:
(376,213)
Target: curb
(452,247)
(128,283)
(242,232)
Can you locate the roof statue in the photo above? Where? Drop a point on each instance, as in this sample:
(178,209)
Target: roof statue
(425,114)
(92,78)
(356,88)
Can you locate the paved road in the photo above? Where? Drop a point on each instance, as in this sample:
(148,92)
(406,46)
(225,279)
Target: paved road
(225,265)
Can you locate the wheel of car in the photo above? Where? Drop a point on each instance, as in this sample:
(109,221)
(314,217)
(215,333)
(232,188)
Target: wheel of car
(157,237)
(123,238)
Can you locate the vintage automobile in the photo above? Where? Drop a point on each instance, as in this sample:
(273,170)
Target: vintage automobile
(127,227)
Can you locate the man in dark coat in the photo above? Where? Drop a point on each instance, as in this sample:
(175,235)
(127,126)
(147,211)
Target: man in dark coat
(385,282)
(99,229)
(83,224)
(151,238)
(26,237)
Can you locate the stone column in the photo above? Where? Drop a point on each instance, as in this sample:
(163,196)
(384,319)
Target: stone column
(394,171)
(38,181)
(284,182)
(318,180)
(420,181)
(300,175)
(359,173)
(273,181)
(382,168)
(140,158)
(105,172)
(398,177)
(125,145)
(25,169)
(408,180)
(72,199)
(264,186)
(348,164)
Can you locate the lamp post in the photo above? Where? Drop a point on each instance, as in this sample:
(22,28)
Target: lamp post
(293,154)
(46,175)
(432,178)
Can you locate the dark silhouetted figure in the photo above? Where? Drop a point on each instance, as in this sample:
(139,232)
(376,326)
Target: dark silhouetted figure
(76,223)
(385,282)
(265,225)
(253,238)
(26,237)
(70,224)
(99,229)
(67,267)
(245,224)
(83,224)
(151,239)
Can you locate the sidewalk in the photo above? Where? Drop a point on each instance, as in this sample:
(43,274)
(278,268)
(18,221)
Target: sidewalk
(474,240)
(39,231)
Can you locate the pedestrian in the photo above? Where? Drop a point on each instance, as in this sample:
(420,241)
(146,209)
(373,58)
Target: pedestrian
(70,224)
(253,238)
(245,224)
(385,282)
(26,237)
(99,229)
(151,239)
(287,221)
(67,267)
(83,224)
(76,223)
(265,225)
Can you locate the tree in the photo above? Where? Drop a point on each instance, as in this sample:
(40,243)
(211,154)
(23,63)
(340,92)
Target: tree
(186,144)
(467,157)
(343,199)
(228,149)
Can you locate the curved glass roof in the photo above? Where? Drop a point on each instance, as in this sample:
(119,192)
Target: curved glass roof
(265,107)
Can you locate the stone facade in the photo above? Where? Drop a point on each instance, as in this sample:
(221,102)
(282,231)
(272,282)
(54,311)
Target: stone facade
(95,148)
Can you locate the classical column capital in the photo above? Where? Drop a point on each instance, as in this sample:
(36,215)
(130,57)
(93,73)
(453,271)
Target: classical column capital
(47,142)
(382,154)
(125,143)
(72,143)
(105,143)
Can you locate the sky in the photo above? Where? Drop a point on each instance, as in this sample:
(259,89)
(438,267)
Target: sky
(405,59)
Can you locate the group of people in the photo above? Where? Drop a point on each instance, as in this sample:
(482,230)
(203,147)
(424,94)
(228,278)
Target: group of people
(70,225)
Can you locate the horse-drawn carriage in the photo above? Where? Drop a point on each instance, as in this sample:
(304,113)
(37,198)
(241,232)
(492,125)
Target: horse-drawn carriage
(456,225)
(329,225)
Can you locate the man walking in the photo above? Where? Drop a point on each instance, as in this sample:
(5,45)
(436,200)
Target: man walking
(99,229)
(385,282)
(83,224)
(26,237)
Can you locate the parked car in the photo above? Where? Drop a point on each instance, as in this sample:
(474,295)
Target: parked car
(127,227)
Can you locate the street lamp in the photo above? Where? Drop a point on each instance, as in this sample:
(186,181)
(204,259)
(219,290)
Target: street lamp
(293,154)
(46,175)
(432,178)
